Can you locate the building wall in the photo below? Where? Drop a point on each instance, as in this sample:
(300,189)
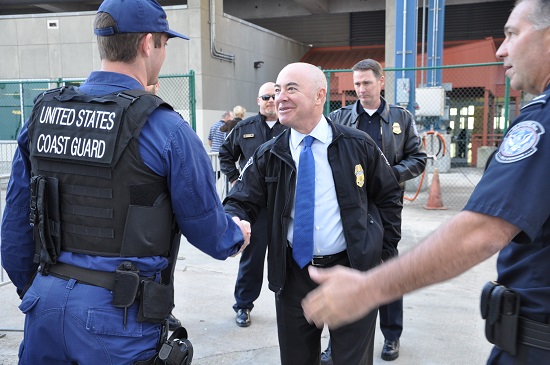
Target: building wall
(221,85)
(30,50)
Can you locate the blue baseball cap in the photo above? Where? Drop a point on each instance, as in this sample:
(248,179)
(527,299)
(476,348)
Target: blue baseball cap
(135,16)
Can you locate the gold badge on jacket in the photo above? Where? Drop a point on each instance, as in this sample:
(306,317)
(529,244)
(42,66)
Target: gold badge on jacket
(359,176)
(396,128)
(251,135)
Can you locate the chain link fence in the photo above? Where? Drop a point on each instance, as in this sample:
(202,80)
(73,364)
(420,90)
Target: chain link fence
(461,120)
(17,96)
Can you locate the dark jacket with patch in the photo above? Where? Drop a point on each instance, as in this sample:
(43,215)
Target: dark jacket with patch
(370,212)
(401,143)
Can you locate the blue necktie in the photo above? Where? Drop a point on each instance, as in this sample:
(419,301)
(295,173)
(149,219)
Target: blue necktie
(302,245)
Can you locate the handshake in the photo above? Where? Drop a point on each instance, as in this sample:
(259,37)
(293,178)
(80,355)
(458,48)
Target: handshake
(247,232)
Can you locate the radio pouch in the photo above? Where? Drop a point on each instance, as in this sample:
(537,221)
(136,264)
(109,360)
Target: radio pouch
(500,309)
(157,301)
(126,285)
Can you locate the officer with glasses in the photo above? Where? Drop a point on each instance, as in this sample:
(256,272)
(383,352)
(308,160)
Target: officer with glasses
(239,146)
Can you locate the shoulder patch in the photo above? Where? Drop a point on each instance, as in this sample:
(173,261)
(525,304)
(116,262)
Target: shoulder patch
(520,142)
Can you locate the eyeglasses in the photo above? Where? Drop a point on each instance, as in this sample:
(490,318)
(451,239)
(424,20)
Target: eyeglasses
(266,97)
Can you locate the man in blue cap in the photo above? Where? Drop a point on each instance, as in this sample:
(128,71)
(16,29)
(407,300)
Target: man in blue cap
(109,176)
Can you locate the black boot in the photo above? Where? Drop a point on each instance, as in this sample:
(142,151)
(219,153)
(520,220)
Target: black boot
(243,318)
(390,351)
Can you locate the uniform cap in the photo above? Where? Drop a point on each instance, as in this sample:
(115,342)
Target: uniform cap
(135,16)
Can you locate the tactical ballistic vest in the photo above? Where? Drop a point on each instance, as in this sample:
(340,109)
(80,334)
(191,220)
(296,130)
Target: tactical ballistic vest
(101,197)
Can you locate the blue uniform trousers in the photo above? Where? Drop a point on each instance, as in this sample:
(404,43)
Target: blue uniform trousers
(251,267)
(391,320)
(68,322)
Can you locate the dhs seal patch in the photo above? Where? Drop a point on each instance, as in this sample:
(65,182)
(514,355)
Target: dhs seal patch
(520,142)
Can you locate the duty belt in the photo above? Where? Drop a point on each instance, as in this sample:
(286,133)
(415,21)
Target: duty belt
(102,279)
(534,333)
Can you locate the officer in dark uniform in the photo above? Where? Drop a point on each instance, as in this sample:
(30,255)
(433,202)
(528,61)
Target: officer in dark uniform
(509,211)
(239,146)
(394,131)
(102,173)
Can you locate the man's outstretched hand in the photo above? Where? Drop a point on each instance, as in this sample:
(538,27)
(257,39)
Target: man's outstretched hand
(338,300)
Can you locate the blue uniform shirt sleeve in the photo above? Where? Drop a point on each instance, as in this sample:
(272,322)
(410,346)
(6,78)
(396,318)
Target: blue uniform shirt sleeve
(171,148)
(17,238)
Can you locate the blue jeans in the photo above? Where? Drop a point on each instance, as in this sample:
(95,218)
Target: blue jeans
(68,322)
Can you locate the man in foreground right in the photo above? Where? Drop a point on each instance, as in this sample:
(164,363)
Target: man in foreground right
(509,211)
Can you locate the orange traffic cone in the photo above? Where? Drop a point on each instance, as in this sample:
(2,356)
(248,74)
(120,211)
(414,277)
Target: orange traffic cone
(434,199)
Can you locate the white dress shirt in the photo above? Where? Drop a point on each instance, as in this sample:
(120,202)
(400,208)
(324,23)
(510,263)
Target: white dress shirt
(328,233)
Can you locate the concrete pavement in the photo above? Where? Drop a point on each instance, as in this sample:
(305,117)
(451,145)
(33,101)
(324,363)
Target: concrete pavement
(442,324)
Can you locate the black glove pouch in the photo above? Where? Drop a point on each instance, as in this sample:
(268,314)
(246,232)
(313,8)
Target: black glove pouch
(500,309)
(156,302)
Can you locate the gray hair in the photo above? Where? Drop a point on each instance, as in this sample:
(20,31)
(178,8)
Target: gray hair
(540,14)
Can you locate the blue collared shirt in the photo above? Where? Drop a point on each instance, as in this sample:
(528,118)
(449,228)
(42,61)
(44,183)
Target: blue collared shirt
(328,233)
(169,147)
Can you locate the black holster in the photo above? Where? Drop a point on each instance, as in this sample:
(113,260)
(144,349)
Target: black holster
(500,309)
